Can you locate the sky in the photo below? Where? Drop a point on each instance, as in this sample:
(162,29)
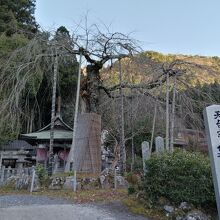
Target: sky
(168,26)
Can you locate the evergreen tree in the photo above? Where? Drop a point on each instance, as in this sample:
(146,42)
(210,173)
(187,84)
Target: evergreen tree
(17,15)
(66,84)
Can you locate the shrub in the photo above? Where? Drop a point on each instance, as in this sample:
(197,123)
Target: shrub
(133,178)
(131,190)
(181,176)
(135,182)
(42,174)
(137,166)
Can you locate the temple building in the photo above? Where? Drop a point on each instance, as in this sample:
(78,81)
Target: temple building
(17,154)
(84,157)
(61,147)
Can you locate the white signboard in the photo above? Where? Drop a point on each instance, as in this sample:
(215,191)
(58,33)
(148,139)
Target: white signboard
(212,126)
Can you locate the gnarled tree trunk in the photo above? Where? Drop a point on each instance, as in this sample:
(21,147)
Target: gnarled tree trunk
(93,80)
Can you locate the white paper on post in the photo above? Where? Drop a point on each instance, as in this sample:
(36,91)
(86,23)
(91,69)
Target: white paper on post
(212,126)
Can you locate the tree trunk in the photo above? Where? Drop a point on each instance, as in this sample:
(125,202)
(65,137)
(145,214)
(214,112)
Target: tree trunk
(31,121)
(153,127)
(122,136)
(167,110)
(50,165)
(93,80)
(28,124)
(173,116)
(132,134)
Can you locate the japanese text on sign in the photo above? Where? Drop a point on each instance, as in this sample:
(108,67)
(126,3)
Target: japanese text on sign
(217,118)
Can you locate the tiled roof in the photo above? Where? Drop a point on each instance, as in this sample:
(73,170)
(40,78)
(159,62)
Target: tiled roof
(17,145)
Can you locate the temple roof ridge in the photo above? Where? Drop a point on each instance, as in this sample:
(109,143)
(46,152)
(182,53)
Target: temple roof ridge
(57,119)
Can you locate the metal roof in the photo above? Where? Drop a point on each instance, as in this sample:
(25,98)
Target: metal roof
(45,135)
(58,123)
(61,131)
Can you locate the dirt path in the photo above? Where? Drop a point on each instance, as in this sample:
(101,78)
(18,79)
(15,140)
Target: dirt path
(25,207)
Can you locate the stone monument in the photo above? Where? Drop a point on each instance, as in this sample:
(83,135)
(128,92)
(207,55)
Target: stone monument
(159,144)
(145,153)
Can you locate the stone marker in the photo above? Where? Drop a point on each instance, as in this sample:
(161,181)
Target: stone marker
(68,182)
(145,153)
(212,126)
(32,180)
(8,173)
(3,174)
(1,160)
(159,143)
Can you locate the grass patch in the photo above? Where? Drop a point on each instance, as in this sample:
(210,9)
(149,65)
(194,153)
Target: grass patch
(85,196)
(8,190)
(137,207)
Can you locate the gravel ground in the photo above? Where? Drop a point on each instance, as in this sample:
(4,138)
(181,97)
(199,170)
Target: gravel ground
(23,200)
(25,207)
